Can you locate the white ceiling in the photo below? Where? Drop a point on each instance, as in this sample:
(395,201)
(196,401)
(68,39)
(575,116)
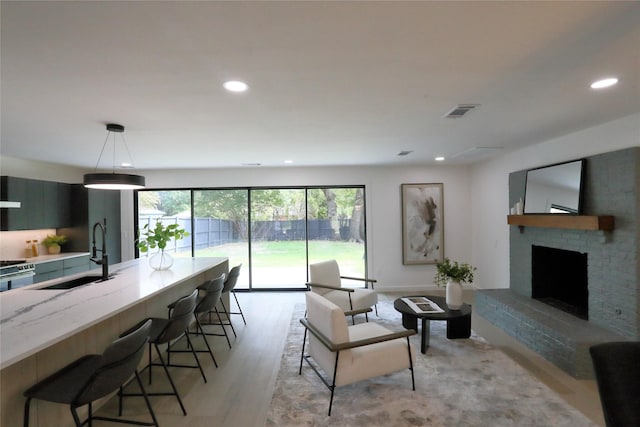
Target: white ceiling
(331,83)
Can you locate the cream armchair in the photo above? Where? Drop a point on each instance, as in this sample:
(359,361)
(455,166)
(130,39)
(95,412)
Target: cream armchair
(325,280)
(347,354)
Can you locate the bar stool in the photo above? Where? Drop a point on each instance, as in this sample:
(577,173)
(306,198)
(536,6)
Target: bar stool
(229,286)
(211,292)
(166,331)
(95,376)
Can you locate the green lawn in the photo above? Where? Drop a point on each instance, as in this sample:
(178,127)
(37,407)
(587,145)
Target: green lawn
(283,255)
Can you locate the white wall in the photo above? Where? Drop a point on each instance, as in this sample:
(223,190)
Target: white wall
(490,189)
(383,207)
(475,199)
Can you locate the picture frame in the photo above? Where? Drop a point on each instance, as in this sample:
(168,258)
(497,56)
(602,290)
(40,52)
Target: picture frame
(422,223)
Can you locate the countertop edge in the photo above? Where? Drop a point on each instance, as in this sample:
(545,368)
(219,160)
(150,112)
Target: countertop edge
(57,257)
(7,362)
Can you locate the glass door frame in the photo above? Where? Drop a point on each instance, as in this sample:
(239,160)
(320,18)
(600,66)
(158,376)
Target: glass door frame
(249,269)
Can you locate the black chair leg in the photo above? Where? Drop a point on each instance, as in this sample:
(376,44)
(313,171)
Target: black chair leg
(76,419)
(150,364)
(173,386)
(204,337)
(195,355)
(220,323)
(229,317)
(240,308)
(27,404)
(146,399)
(226,335)
(304,340)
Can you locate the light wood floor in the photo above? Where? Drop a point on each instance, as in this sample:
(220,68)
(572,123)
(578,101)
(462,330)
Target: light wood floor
(238,392)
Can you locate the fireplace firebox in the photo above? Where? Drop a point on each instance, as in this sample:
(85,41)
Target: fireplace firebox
(559,278)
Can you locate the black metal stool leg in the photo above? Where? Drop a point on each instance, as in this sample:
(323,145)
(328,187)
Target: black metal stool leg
(240,308)
(193,351)
(27,404)
(204,337)
(173,386)
(229,317)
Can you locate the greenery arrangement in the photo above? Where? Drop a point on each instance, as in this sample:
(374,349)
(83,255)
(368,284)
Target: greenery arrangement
(453,270)
(53,239)
(159,236)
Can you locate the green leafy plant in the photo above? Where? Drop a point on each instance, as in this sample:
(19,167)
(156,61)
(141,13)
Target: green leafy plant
(159,236)
(453,270)
(53,239)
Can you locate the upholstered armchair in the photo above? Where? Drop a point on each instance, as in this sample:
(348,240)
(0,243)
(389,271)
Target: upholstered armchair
(325,280)
(347,354)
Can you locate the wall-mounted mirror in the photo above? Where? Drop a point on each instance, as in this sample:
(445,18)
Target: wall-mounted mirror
(555,189)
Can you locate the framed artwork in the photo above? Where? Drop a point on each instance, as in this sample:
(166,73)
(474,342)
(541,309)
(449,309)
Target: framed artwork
(422,223)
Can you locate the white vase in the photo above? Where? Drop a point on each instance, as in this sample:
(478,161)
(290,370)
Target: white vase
(161,260)
(454,294)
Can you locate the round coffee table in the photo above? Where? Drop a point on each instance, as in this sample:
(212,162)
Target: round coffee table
(458,321)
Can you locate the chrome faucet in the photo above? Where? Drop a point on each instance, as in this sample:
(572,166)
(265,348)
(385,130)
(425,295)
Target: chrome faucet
(104,260)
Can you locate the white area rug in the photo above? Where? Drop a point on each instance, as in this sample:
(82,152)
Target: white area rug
(463,382)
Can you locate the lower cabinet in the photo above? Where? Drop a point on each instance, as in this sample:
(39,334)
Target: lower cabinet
(47,271)
(65,267)
(76,265)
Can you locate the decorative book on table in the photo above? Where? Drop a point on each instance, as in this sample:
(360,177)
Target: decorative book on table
(422,305)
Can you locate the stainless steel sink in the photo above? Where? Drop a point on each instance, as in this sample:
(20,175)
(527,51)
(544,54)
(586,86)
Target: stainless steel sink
(74,283)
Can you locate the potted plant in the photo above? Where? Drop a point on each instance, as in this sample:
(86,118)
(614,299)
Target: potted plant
(53,242)
(158,237)
(453,274)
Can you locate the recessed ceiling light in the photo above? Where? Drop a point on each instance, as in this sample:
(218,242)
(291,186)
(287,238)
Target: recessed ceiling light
(235,86)
(288,161)
(601,84)
(439,159)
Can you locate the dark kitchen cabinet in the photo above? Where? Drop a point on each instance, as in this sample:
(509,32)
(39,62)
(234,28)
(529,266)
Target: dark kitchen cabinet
(47,271)
(44,204)
(89,207)
(76,265)
(65,267)
(14,190)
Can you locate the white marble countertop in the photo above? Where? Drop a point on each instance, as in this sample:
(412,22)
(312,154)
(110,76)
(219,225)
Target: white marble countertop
(27,314)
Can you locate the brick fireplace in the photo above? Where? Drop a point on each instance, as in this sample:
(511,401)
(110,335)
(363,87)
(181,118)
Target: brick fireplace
(611,187)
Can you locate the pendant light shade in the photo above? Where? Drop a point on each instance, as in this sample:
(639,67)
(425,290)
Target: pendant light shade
(113,180)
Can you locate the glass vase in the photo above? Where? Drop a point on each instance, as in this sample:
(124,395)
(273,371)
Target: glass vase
(161,260)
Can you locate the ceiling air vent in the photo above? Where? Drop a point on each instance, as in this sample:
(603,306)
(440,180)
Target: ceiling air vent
(460,111)
(404,153)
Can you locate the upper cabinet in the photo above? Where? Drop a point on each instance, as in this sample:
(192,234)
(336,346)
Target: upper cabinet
(89,207)
(44,204)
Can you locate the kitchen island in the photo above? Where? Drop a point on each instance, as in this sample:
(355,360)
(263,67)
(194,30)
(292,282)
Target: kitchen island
(42,330)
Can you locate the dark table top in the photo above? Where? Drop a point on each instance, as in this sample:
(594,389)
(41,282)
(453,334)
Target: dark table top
(402,307)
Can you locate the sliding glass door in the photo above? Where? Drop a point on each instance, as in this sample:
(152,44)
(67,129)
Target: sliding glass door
(220,228)
(336,218)
(275,233)
(278,238)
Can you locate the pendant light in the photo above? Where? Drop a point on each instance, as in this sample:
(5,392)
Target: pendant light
(113,180)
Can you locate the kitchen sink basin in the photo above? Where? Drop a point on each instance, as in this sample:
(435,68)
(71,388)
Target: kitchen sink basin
(74,283)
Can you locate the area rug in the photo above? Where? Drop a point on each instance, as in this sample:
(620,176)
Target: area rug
(464,382)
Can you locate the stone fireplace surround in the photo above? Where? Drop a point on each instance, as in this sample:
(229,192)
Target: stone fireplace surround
(611,187)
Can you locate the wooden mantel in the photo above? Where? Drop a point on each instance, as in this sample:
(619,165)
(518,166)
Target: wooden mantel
(575,222)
